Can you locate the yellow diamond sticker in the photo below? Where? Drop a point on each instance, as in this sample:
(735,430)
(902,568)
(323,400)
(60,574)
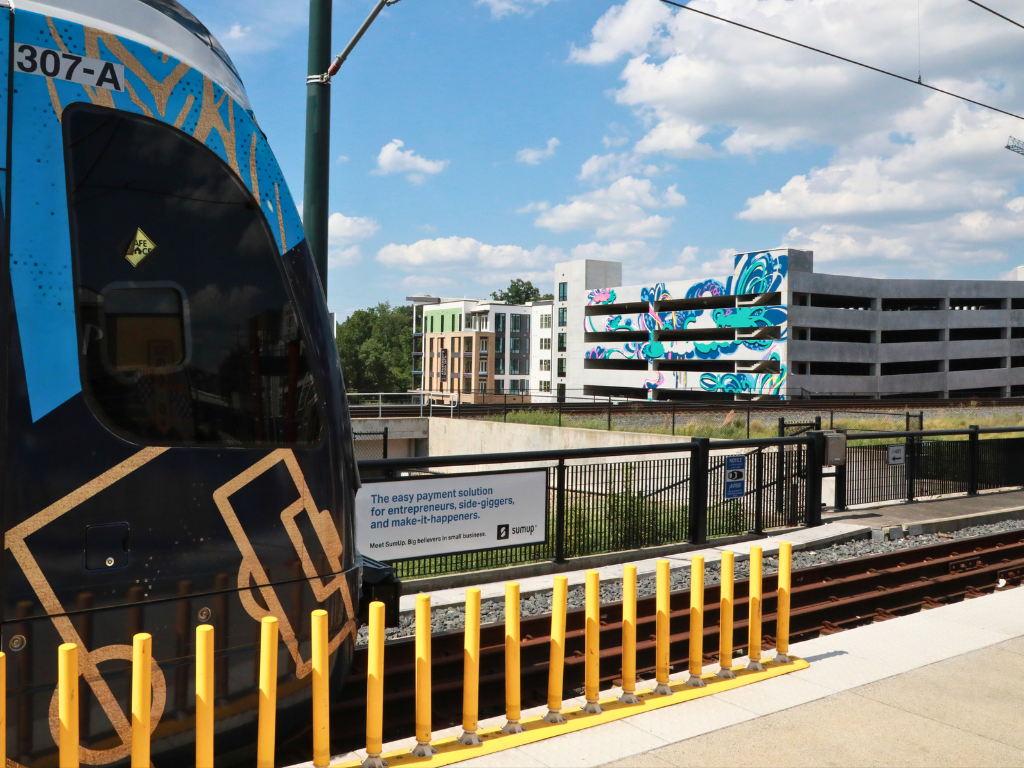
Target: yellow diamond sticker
(140,248)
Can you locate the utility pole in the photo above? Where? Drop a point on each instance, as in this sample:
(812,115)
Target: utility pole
(320,70)
(316,184)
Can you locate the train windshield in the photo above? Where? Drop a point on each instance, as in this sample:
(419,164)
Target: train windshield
(184,17)
(187,331)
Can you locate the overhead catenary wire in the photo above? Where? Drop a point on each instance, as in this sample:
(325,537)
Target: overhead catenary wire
(843,58)
(996,13)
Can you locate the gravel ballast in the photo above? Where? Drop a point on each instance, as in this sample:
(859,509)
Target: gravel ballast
(450,618)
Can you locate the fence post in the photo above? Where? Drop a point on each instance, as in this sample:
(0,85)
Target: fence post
(840,487)
(782,426)
(910,465)
(759,493)
(560,512)
(699,491)
(385,442)
(504,408)
(817,422)
(815,456)
(973,460)
(780,480)
(908,422)
(920,420)
(609,413)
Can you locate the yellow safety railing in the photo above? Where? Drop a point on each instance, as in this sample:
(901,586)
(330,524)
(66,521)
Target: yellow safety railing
(142,662)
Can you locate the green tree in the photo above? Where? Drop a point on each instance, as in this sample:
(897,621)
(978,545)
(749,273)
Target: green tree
(375,347)
(520,292)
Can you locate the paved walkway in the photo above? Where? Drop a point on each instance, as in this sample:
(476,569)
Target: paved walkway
(942,687)
(904,513)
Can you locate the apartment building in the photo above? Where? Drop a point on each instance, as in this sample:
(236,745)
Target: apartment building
(772,329)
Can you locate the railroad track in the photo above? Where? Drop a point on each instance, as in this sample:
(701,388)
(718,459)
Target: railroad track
(826,599)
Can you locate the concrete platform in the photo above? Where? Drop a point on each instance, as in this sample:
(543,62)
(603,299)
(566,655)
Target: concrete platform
(942,687)
(906,514)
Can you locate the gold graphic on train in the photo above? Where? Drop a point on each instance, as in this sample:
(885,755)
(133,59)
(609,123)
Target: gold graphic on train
(140,249)
(252,575)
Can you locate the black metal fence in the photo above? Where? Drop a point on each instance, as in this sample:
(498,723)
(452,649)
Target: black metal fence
(370,445)
(614,506)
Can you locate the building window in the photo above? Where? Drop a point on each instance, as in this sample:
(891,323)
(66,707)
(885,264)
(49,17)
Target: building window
(499,366)
(455,345)
(514,383)
(499,387)
(431,323)
(545,321)
(526,366)
(561,393)
(431,346)
(563,291)
(442,323)
(514,346)
(483,367)
(499,345)
(545,365)
(561,342)
(561,366)
(545,343)
(526,323)
(483,346)
(467,345)
(524,386)
(514,366)
(545,386)
(516,323)
(483,322)
(499,322)
(482,388)
(563,317)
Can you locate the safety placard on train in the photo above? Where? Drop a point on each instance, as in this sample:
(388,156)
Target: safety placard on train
(423,517)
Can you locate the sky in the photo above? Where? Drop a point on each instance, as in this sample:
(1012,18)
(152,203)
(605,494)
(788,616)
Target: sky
(476,141)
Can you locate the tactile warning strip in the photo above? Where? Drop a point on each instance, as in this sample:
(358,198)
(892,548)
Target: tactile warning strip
(451,751)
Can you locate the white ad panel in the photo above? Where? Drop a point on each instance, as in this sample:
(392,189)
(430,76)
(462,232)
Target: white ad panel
(400,519)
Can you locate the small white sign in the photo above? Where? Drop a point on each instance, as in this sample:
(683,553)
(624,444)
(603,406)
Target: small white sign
(96,73)
(896,454)
(423,517)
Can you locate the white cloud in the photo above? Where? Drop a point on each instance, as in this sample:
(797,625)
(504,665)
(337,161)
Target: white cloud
(393,159)
(443,251)
(237,32)
(623,250)
(618,211)
(502,8)
(342,158)
(916,180)
(598,168)
(614,141)
(534,156)
(343,235)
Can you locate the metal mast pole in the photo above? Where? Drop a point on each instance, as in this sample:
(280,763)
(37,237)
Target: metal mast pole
(316,186)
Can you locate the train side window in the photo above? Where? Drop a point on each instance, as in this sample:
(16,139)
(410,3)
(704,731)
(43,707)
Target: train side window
(187,331)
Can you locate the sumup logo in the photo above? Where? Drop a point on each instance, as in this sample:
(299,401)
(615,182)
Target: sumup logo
(502,531)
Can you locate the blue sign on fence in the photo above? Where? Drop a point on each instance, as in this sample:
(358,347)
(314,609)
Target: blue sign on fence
(735,476)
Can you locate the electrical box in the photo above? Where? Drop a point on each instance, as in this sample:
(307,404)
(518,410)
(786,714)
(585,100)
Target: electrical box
(835,449)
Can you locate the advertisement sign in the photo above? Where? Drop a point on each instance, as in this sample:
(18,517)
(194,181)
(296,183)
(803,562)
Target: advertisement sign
(443,370)
(896,454)
(423,517)
(735,477)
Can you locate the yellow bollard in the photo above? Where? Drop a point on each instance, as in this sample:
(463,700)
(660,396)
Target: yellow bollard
(67,704)
(725,617)
(204,696)
(471,671)
(556,666)
(321,690)
(512,698)
(375,689)
(696,622)
(423,633)
(754,626)
(592,659)
(661,654)
(268,693)
(785,591)
(142,695)
(629,636)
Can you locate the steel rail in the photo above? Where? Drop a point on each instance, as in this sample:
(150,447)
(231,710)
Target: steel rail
(826,599)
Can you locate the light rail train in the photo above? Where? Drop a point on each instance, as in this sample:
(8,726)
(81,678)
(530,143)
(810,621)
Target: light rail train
(175,446)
